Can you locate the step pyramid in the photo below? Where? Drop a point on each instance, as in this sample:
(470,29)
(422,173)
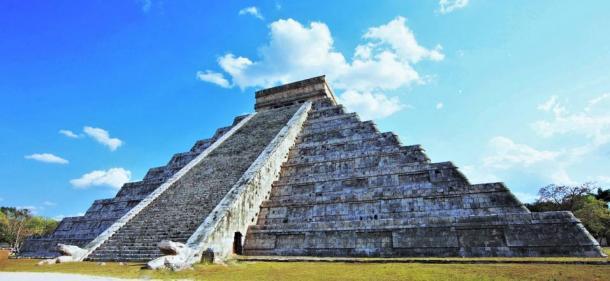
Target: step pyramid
(303,177)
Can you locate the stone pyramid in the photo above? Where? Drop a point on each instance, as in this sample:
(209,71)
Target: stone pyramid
(302,177)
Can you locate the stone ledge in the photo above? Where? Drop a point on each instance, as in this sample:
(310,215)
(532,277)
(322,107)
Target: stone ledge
(592,261)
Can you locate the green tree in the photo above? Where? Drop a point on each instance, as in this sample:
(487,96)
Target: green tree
(3,227)
(40,226)
(594,215)
(591,209)
(603,195)
(564,197)
(16,230)
(18,224)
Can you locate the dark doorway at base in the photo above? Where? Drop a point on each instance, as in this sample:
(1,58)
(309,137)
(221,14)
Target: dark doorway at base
(237,246)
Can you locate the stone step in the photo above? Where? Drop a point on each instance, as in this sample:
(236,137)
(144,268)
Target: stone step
(441,171)
(331,121)
(383,138)
(308,195)
(125,257)
(131,248)
(177,213)
(350,161)
(336,152)
(149,236)
(315,114)
(150,254)
(297,215)
(202,145)
(337,131)
(410,153)
(516,218)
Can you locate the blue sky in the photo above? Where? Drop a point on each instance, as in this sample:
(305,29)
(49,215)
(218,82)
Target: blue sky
(513,91)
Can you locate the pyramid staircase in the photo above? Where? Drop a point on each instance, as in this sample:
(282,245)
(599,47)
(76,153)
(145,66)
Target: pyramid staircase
(176,214)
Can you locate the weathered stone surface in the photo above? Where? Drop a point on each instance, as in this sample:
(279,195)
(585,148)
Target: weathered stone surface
(69,253)
(294,93)
(176,256)
(179,210)
(302,177)
(348,190)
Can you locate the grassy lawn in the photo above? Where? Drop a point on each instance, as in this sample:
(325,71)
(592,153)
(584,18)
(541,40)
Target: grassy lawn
(329,271)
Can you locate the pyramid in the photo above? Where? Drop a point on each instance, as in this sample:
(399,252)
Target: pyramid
(302,177)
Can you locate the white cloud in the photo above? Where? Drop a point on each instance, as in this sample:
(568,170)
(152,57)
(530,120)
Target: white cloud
(370,105)
(382,71)
(398,37)
(293,53)
(601,179)
(113,177)
(594,102)
(505,155)
(69,134)
(508,153)
(383,61)
(548,104)
(448,6)
(49,204)
(214,78)
(592,123)
(439,105)
(588,130)
(102,136)
(525,197)
(253,11)
(47,158)
(559,175)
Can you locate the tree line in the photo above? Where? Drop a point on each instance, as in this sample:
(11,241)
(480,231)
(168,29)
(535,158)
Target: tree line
(18,224)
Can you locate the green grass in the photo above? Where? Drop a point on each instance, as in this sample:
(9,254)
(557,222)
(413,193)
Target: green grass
(295,271)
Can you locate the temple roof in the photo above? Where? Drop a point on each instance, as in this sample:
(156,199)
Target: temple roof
(294,93)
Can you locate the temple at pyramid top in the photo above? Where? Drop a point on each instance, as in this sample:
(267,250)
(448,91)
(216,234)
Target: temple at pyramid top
(301,176)
(294,93)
